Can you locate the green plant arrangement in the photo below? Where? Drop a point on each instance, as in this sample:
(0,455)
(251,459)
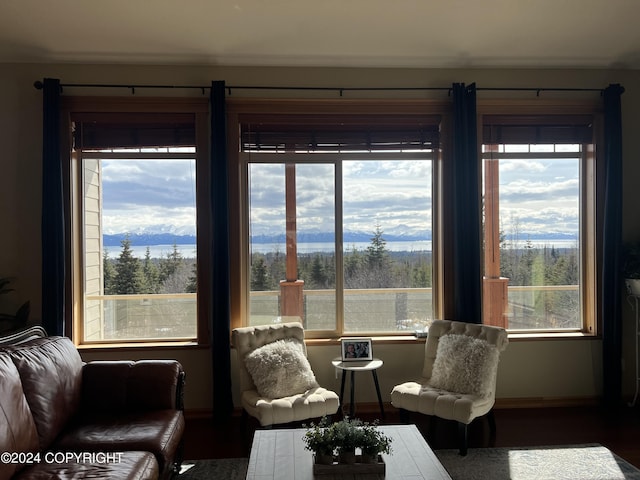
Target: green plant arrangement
(347,435)
(340,441)
(319,439)
(373,442)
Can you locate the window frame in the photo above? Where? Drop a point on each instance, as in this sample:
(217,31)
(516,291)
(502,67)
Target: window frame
(591,170)
(73,194)
(243,110)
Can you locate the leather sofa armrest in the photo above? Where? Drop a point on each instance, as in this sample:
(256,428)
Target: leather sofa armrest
(127,385)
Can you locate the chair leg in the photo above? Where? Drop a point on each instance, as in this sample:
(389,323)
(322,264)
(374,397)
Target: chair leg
(462,438)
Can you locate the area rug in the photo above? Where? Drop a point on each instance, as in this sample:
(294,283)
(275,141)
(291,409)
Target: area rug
(571,462)
(219,468)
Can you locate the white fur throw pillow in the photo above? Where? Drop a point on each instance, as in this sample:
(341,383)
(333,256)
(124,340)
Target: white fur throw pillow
(280,369)
(464,364)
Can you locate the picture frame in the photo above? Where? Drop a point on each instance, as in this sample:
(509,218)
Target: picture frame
(356,349)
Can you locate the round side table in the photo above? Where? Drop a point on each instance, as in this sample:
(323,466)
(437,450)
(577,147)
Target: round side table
(358,366)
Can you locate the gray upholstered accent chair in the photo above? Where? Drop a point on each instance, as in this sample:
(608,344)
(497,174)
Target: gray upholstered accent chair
(458,378)
(306,402)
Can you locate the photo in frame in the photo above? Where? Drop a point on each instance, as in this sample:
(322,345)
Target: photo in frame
(356,349)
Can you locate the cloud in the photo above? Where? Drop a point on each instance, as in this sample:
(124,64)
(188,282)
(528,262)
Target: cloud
(391,193)
(538,196)
(535,196)
(141,195)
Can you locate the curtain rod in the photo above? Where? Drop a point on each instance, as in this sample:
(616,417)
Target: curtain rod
(39,85)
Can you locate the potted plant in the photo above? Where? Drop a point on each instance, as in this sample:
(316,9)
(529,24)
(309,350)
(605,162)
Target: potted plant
(320,440)
(373,442)
(631,268)
(347,435)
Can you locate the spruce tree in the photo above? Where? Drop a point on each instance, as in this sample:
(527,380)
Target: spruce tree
(378,274)
(170,264)
(129,278)
(108,274)
(377,254)
(151,274)
(192,284)
(259,275)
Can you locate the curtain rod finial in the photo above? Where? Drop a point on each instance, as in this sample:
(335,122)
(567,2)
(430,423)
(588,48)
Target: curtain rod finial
(38,85)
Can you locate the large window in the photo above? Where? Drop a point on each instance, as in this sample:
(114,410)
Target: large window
(339,221)
(138,222)
(538,230)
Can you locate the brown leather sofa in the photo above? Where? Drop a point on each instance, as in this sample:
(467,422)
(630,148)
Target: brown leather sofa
(62,418)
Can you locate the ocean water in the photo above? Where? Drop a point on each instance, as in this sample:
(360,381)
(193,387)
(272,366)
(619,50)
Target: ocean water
(189,251)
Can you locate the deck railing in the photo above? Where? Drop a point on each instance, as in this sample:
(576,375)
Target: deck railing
(161,316)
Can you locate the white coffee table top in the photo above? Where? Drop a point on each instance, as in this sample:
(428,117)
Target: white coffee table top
(279,454)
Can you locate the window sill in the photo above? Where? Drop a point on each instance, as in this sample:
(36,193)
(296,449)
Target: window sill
(319,342)
(409,339)
(379,340)
(517,336)
(170,345)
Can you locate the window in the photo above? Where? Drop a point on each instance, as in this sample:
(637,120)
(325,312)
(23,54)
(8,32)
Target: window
(137,193)
(338,221)
(539,222)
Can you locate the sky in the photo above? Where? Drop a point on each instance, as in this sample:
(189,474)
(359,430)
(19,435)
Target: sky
(148,195)
(388,193)
(537,195)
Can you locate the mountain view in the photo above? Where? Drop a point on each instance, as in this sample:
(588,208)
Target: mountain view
(144,239)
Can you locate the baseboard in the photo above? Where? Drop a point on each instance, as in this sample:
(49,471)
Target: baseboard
(372,408)
(198,413)
(546,402)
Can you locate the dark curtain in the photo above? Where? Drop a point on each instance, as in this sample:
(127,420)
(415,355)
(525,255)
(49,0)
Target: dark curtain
(219,323)
(612,248)
(466,233)
(53,250)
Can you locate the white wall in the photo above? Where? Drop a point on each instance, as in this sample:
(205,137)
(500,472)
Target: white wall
(557,369)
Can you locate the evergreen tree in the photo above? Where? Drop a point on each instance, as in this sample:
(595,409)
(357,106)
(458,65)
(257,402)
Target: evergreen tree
(108,274)
(151,274)
(174,272)
(377,254)
(259,275)
(353,261)
(277,267)
(318,277)
(421,275)
(192,284)
(170,264)
(129,278)
(378,274)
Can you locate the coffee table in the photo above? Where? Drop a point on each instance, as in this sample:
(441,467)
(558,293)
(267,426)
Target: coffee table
(279,454)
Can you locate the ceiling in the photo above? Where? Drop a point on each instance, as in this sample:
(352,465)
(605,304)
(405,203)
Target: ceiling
(359,33)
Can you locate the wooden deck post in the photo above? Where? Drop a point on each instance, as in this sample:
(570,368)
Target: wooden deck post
(291,289)
(494,287)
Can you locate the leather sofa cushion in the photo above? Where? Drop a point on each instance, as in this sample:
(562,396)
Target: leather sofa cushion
(51,372)
(109,386)
(125,466)
(158,431)
(17,430)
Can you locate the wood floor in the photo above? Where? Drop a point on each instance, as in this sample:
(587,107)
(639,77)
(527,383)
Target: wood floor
(619,431)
